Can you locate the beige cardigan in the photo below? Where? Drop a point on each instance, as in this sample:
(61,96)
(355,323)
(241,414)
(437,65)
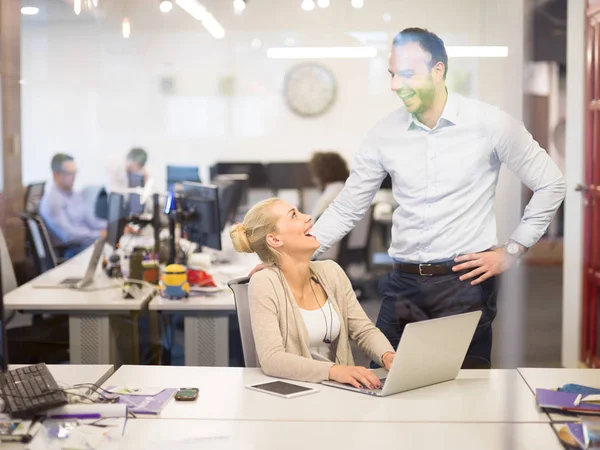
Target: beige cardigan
(270,325)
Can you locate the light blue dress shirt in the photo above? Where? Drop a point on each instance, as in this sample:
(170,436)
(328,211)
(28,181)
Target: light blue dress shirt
(444,181)
(67,217)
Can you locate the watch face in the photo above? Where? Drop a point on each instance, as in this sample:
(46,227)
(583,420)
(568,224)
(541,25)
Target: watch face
(512,249)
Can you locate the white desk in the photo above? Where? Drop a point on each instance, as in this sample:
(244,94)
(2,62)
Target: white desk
(206,317)
(91,330)
(71,374)
(476,396)
(554,378)
(152,434)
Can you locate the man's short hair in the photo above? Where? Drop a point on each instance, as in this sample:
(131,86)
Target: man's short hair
(58,160)
(430,42)
(138,155)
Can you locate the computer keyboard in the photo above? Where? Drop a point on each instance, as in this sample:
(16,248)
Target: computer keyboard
(30,390)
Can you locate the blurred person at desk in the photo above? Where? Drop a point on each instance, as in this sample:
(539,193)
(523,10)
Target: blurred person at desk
(64,212)
(330,172)
(303,313)
(134,174)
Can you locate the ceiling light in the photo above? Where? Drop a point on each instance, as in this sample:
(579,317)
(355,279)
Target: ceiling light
(77,6)
(213,27)
(387,17)
(358,3)
(323,3)
(321,52)
(166,6)
(126,28)
(239,6)
(308,5)
(256,43)
(199,12)
(477,51)
(29,10)
(193,8)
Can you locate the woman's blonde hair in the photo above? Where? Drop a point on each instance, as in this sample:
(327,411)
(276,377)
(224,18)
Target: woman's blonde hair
(250,236)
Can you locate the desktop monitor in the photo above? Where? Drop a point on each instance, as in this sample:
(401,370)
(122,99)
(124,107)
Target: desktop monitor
(179,174)
(200,208)
(232,195)
(257,173)
(289,175)
(116,219)
(134,204)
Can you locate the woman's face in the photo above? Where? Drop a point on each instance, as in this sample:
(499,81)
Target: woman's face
(293,234)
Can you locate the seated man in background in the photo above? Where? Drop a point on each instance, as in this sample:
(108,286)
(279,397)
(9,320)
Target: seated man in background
(135,168)
(329,171)
(64,211)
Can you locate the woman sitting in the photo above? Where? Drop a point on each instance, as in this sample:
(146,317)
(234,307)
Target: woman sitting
(303,312)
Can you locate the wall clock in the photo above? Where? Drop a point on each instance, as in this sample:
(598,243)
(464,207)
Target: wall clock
(310,89)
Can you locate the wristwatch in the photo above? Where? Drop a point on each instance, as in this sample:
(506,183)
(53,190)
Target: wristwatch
(513,249)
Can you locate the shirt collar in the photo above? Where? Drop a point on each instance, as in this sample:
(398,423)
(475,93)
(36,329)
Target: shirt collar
(449,114)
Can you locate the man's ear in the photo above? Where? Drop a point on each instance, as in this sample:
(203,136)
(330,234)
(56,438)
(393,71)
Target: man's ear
(274,241)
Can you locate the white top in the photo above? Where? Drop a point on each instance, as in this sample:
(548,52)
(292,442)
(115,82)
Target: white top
(327,196)
(444,181)
(322,323)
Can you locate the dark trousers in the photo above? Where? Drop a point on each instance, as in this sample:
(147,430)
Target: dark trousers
(407,298)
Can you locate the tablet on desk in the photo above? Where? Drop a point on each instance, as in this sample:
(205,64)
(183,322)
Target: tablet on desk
(282,389)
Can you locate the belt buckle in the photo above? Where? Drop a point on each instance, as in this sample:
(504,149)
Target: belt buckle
(421,270)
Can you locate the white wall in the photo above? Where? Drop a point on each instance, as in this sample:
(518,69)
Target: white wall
(575,142)
(89,92)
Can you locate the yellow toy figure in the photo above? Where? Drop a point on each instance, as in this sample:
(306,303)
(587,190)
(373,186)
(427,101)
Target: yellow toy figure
(173,282)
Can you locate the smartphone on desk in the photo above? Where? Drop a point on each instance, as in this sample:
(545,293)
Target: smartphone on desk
(186,394)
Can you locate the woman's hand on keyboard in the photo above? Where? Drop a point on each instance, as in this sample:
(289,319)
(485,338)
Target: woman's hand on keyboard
(357,376)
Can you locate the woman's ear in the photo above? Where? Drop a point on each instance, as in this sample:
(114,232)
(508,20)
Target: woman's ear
(274,241)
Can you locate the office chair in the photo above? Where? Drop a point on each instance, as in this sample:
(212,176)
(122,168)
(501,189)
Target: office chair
(354,251)
(33,197)
(39,244)
(242,307)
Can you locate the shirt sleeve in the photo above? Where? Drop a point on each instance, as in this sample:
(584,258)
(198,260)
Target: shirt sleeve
(354,200)
(517,149)
(66,231)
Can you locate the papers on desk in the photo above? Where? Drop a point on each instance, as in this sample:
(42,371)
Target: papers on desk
(572,398)
(82,427)
(144,404)
(584,435)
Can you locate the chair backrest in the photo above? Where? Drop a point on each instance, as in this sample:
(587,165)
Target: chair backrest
(354,248)
(242,306)
(42,246)
(33,197)
(9,280)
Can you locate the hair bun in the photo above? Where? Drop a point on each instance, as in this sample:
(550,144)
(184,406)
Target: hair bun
(240,239)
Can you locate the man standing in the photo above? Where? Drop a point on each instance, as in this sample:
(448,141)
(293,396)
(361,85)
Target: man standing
(64,211)
(133,175)
(444,154)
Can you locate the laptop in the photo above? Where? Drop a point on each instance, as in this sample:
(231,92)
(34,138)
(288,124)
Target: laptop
(429,352)
(88,278)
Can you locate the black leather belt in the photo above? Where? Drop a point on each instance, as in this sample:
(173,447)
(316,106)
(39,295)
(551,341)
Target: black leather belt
(425,270)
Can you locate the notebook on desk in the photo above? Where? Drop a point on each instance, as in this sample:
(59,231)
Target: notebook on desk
(565,402)
(145,404)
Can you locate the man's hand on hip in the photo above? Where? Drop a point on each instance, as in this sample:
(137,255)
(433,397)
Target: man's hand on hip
(484,265)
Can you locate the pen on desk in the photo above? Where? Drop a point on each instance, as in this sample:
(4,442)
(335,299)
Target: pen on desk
(76,416)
